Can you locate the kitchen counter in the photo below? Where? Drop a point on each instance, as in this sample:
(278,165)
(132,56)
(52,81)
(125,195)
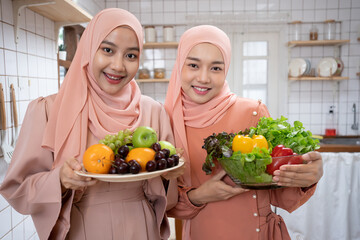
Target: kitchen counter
(340,144)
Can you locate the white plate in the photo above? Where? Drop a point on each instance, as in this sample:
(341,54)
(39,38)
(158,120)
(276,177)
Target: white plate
(297,67)
(128,177)
(327,67)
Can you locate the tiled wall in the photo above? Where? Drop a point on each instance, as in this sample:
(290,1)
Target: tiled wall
(308,101)
(23,64)
(31,66)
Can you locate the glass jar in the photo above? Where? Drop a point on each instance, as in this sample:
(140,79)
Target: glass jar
(314,33)
(168,32)
(150,34)
(329,29)
(296,30)
(144,73)
(159,73)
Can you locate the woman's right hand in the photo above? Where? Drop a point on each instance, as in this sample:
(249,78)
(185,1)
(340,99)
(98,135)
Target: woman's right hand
(70,180)
(214,190)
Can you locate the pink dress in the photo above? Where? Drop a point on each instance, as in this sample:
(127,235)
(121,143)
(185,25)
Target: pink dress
(134,210)
(247,215)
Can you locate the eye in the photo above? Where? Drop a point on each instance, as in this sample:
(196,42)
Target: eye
(132,56)
(107,50)
(216,68)
(192,65)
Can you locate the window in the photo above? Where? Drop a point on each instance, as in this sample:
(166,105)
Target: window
(253,71)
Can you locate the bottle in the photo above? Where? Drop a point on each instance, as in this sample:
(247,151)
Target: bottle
(150,34)
(313,33)
(330,129)
(168,33)
(159,73)
(296,30)
(329,29)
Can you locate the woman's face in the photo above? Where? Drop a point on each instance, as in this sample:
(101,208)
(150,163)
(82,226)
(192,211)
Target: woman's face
(117,60)
(203,73)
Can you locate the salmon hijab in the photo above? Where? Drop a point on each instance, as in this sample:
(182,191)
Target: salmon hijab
(182,111)
(81,104)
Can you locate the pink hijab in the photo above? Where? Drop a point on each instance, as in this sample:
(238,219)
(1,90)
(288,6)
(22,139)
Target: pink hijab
(183,112)
(81,104)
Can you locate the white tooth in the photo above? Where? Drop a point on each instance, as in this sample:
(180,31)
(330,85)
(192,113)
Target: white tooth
(111,77)
(201,89)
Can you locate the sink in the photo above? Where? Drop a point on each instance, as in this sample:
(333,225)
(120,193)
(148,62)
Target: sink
(341,141)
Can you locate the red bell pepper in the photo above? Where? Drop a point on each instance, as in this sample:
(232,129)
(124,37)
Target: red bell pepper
(280,156)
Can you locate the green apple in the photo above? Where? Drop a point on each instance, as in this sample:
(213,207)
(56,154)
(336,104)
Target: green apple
(168,145)
(144,137)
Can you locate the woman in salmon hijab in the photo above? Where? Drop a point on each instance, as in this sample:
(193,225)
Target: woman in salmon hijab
(99,96)
(200,103)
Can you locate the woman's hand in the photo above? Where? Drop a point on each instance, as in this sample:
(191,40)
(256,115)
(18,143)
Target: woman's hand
(70,180)
(301,175)
(214,190)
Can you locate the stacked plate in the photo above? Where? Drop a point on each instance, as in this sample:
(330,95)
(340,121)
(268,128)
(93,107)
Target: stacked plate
(299,67)
(330,66)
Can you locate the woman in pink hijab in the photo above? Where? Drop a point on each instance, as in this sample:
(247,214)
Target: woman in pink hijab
(200,103)
(99,96)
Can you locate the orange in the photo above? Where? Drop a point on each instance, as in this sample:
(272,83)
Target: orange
(260,141)
(242,143)
(141,155)
(98,158)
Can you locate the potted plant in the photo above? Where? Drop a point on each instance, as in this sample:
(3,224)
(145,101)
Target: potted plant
(62,52)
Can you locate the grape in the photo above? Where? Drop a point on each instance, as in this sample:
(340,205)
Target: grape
(156,146)
(161,164)
(123,168)
(118,161)
(123,151)
(166,152)
(112,170)
(159,155)
(115,141)
(176,159)
(151,166)
(135,167)
(170,162)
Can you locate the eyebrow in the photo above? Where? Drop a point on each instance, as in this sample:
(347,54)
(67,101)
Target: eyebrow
(112,44)
(198,60)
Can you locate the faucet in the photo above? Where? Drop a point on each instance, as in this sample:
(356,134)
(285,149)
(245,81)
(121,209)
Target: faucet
(355,126)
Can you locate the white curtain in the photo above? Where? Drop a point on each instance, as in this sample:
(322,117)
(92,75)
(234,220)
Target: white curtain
(333,212)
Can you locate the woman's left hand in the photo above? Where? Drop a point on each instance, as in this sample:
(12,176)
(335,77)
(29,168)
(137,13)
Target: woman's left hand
(301,175)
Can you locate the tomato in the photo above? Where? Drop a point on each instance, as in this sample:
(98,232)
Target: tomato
(243,144)
(260,141)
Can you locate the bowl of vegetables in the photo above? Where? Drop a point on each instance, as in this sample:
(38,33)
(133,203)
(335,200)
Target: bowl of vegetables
(250,157)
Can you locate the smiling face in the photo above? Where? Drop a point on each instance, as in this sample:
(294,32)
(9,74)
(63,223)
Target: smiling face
(203,73)
(117,60)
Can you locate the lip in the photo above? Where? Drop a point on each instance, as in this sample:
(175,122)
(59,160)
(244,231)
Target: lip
(201,90)
(113,79)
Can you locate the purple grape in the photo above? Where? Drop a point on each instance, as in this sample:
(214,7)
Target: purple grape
(170,162)
(166,152)
(123,151)
(176,159)
(112,170)
(156,147)
(159,155)
(161,164)
(118,161)
(135,167)
(123,168)
(151,166)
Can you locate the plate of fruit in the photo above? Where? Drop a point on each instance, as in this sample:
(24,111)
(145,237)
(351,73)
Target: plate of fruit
(130,156)
(250,157)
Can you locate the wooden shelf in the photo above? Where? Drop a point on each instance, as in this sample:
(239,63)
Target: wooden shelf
(150,80)
(160,45)
(319,78)
(62,12)
(65,64)
(318,43)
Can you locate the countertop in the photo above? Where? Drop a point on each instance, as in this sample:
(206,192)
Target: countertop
(339,145)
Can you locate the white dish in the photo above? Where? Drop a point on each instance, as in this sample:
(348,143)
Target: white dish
(129,177)
(327,67)
(297,67)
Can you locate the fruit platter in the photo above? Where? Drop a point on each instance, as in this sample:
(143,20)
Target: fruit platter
(250,157)
(130,156)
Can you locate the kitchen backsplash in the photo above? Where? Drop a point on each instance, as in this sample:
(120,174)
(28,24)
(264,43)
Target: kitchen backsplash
(31,65)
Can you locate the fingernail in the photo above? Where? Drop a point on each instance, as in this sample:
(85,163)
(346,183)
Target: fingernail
(275,179)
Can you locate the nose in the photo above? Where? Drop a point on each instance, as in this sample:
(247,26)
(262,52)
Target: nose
(204,76)
(117,63)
